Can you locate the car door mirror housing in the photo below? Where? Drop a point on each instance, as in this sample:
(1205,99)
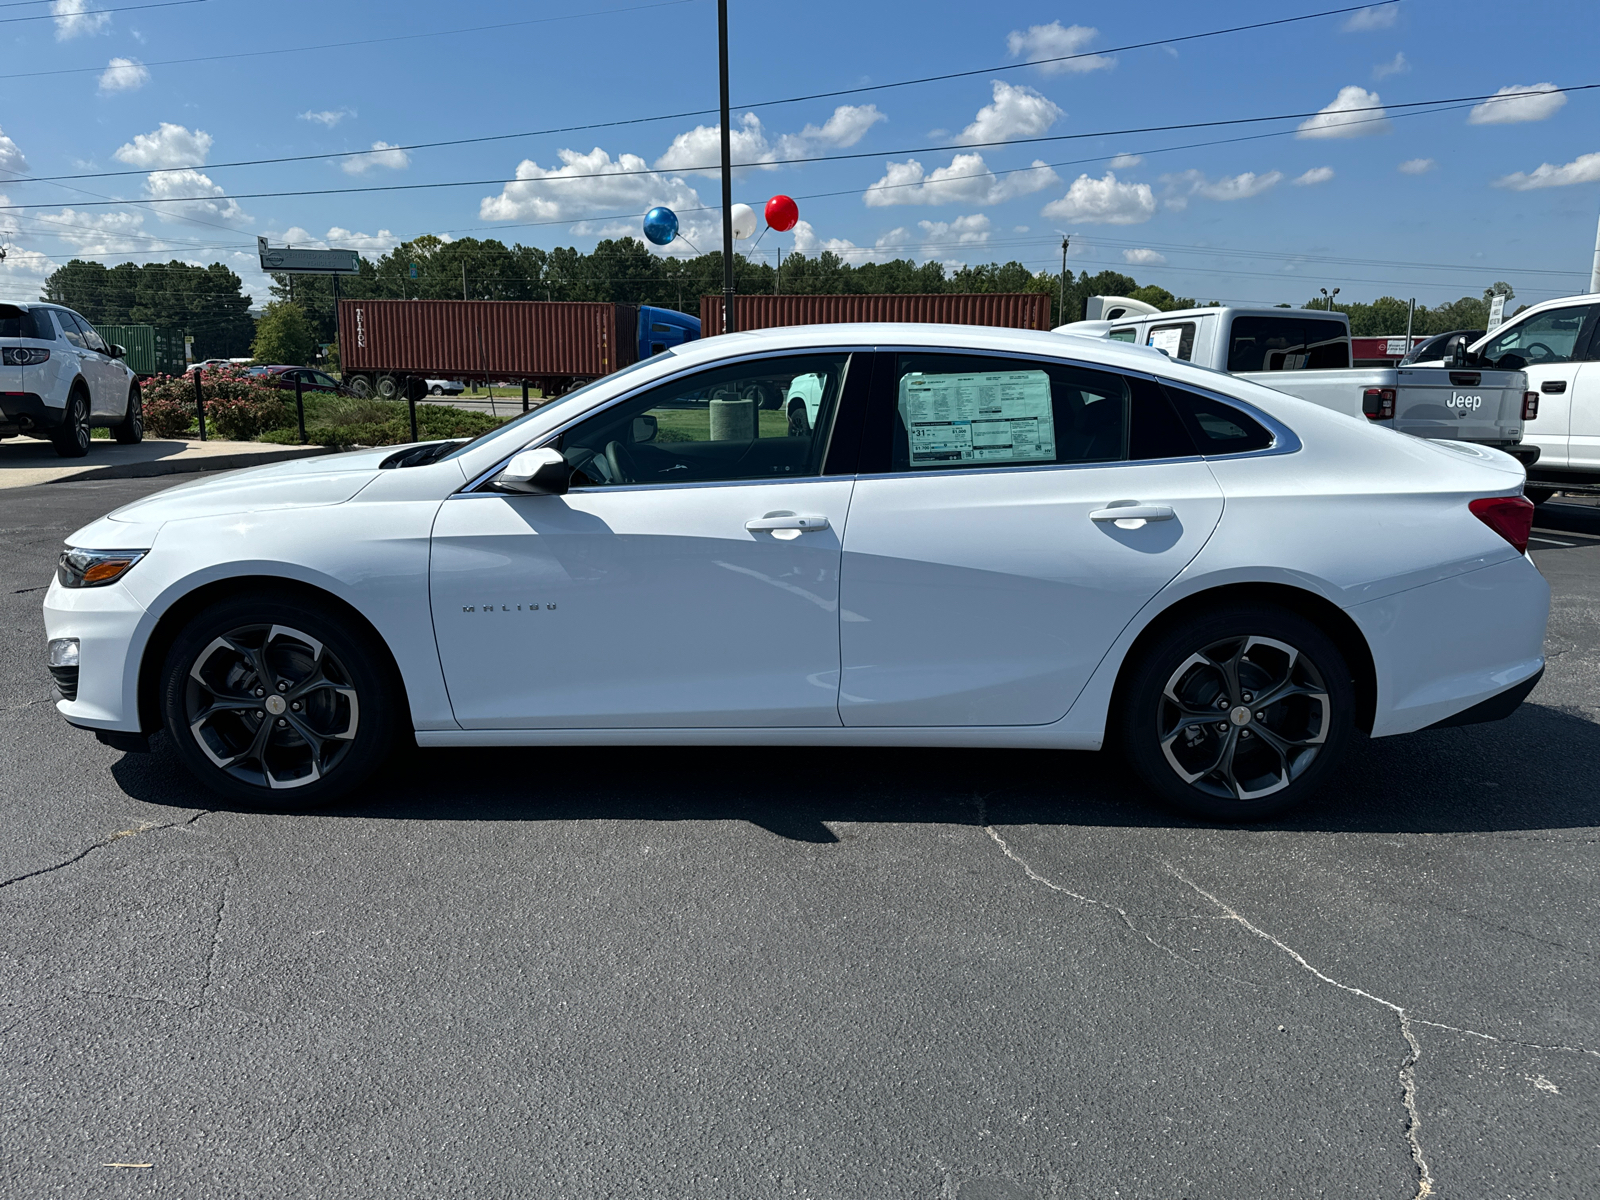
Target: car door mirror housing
(644,429)
(541,472)
(117,351)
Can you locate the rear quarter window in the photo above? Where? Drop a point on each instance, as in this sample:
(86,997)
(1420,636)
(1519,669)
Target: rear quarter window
(1216,427)
(1287,344)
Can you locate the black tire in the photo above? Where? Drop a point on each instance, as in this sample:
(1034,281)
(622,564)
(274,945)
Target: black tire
(130,430)
(1538,495)
(71,439)
(436,390)
(247,649)
(1237,765)
(388,387)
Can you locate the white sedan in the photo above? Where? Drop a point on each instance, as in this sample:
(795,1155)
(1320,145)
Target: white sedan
(976,537)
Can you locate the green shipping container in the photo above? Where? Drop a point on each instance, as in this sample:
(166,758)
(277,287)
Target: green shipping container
(151,351)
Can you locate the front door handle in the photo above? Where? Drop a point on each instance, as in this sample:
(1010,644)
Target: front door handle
(1128,510)
(776,521)
(1553,387)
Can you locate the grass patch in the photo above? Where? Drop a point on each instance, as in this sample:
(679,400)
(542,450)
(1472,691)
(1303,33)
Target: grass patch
(346,421)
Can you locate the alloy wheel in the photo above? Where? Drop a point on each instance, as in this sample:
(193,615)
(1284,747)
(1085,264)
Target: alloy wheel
(271,706)
(1244,717)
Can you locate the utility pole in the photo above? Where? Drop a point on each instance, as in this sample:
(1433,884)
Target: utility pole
(728,322)
(1594,274)
(463,280)
(1411,314)
(1061,305)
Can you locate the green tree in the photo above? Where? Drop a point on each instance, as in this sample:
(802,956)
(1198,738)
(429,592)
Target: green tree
(284,335)
(207,302)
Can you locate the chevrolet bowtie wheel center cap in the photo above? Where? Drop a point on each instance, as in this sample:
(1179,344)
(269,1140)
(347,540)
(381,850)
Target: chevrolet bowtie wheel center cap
(277,704)
(1239,716)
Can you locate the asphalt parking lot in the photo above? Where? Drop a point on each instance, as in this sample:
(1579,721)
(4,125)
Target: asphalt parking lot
(795,972)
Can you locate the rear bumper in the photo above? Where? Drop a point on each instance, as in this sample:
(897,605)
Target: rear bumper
(28,412)
(1495,708)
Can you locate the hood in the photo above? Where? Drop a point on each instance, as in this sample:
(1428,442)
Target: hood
(298,483)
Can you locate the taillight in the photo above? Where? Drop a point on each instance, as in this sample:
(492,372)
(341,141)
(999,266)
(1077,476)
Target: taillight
(1378,404)
(22,356)
(1509,516)
(1530,405)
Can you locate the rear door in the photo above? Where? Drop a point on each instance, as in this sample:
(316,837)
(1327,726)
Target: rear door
(107,396)
(1549,345)
(985,574)
(1584,434)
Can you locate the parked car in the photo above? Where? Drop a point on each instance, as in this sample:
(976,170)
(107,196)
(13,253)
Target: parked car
(59,378)
(209,364)
(444,387)
(1306,353)
(1052,543)
(310,380)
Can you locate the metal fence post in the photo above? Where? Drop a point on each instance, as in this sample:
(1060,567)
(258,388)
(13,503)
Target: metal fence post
(200,401)
(300,404)
(524,395)
(411,399)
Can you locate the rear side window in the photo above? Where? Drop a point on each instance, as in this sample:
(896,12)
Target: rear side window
(1177,340)
(70,329)
(1287,344)
(1217,428)
(1129,334)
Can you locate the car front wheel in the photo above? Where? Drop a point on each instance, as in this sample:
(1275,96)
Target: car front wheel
(1238,714)
(270,702)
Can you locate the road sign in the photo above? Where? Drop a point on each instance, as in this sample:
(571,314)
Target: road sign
(413,270)
(1497,311)
(286,261)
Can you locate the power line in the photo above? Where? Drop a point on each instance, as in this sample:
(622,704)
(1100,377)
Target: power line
(95,12)
(816,158)
(531,133)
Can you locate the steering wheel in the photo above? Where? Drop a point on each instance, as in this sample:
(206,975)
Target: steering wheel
(620,459)
(1532,346)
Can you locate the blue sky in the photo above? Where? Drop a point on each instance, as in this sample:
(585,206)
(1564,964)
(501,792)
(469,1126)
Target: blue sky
(1434,206)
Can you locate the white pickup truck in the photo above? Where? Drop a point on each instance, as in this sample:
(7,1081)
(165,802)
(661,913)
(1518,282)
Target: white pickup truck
(1306,353)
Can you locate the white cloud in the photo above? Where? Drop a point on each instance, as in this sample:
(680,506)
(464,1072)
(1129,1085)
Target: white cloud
(1395,66)
(1379,16)
(1106,201)
(967,180)
(597,183)
(1535,102)
(890,245)
(1314,176)
(169,146)
(371,245)
(700,149)
(11,157)
(1583,169)
(1230,187)
(1341,118)
(124,75)
(940,237)
(199,188)
(100,232)
(383,155)
(74,18)
(1123,162)
(1052,41)
(1143,258)
(1015,113)
(1417,166)
(847,126)
(328,116)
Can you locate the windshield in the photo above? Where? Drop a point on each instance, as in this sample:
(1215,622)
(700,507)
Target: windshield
(548,405)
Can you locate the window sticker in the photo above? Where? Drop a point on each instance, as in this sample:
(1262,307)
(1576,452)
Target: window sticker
(993,417)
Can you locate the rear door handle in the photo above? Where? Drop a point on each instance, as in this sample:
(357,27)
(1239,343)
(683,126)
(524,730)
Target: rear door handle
(777,521)
(1553,387)
(1127,510)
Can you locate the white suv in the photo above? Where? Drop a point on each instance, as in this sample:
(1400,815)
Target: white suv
(58,378)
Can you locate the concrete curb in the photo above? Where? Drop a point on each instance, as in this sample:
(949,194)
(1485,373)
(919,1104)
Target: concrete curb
(183,464)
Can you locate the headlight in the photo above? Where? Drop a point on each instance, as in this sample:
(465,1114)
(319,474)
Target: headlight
(80,568)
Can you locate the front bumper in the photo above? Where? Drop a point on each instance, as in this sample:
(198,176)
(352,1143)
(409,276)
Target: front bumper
(107,622)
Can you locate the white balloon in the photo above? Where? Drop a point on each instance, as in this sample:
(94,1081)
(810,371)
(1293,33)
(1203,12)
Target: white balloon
(744,221)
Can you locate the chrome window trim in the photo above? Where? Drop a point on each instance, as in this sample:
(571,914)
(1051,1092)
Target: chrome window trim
(661,381)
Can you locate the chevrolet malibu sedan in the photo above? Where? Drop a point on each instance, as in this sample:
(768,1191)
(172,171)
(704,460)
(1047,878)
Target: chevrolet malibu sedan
(974,537)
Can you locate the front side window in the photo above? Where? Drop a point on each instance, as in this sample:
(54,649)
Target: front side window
(976,411)
(1549,337)
(761,420)
(1287,344)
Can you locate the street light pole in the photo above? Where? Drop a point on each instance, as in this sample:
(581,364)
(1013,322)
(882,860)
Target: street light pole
(1061,305)
(728,323)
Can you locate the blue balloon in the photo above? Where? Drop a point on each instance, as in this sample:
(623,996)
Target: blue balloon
(661,225)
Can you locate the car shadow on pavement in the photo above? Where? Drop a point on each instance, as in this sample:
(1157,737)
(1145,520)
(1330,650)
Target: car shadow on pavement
(1534,770)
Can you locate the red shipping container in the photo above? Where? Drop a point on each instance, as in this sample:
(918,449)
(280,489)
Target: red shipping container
(1011,310)
(487,339)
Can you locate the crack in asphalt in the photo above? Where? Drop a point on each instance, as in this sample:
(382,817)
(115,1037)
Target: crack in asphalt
(216,937)
(101,845)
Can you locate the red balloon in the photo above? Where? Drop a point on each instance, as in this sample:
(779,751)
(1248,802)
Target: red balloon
(782,213)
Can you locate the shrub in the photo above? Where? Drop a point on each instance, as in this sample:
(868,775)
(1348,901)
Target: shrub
(241,418)
(165,417)
(238,406)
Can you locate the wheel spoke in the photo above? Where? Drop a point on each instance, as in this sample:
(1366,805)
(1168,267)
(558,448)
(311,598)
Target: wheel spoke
(222,703)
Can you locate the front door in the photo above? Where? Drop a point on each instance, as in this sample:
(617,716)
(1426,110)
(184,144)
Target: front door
(1549,344)
(689,579)
(985,572)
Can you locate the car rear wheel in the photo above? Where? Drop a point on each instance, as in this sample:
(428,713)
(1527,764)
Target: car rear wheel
(1239,714)
(71,439)
(270,702)
(130,430)
(436,390)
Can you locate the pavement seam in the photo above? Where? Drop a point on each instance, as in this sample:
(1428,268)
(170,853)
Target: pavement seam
(101,845)
(1408,1068)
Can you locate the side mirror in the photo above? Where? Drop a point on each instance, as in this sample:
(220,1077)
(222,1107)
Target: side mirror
(1456,353)
(118,351)
(644,429)
(536,473)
